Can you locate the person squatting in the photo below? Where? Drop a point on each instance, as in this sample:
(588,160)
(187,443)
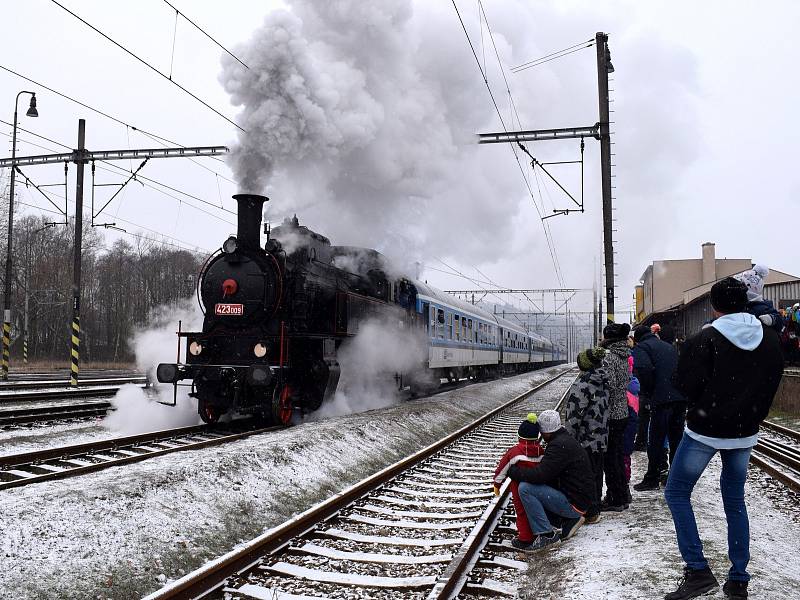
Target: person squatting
(712,399)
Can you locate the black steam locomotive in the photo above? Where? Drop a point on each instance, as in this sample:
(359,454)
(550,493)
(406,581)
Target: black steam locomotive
(275,318)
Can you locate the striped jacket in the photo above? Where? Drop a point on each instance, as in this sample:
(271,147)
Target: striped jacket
(526,454)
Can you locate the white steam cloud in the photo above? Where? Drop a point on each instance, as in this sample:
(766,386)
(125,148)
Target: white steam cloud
(369,362)
(362,115)
(138,412)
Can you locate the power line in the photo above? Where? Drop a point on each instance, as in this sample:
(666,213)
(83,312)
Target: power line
(550,244)
(157,138)
(47,210)
(142,177)
(203,31)
(553,55)
(149,66)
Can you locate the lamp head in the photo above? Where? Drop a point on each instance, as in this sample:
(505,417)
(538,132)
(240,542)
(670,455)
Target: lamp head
(32,112)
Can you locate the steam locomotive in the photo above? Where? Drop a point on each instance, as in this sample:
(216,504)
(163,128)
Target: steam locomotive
(275,319)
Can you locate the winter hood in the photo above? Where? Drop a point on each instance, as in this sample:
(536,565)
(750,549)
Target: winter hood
(743,330)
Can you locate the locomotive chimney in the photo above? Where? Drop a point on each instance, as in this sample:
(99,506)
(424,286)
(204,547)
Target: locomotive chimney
(251,207)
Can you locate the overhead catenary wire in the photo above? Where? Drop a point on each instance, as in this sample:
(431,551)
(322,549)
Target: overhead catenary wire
(545,228)
(143,178)
(205,33)
(553,55)
(149,66)
(157,138)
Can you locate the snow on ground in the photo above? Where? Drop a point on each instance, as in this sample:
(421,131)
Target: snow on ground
(40,436)
(122,532)
(633,555)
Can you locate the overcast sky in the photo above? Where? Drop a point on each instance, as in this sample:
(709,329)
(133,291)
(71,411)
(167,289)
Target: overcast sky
(705,96)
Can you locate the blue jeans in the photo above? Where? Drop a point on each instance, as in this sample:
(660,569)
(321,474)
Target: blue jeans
(691,460)
(539,499)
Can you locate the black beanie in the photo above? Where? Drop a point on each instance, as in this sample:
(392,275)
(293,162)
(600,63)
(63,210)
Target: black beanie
(640,332)
(729,296)
(529,429)
(615,332)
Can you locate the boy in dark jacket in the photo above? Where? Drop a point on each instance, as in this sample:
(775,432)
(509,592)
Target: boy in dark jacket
(562,484)
(527,454)
(729,373)
(587,416)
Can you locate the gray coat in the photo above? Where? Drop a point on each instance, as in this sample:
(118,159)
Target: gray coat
(587,410)
(616,365)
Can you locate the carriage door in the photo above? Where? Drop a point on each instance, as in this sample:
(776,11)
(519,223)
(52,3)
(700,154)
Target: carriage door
(427,317)
(501,343)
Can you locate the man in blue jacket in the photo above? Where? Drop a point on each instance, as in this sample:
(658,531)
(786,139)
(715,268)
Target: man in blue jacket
(654,363)
(729,373)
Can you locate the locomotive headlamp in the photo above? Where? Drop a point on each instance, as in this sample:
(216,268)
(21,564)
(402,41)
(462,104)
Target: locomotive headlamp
(195,348)
(230,245)
(260,350)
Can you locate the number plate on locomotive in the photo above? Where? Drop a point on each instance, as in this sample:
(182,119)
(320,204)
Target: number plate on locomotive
(231,310)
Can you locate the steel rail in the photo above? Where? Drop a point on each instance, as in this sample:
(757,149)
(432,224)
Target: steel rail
(780,429)
(131,447)
(210,577)
(44,395)
(53,413)
(45,384)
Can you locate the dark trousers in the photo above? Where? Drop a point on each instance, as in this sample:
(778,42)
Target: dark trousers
(596,460)
(666,422)
(614,462)
(644,423)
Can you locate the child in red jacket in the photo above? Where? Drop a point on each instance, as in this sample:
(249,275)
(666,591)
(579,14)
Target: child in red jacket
(527,453)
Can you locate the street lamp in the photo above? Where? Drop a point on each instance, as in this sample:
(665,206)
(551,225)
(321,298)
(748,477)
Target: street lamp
(32,112)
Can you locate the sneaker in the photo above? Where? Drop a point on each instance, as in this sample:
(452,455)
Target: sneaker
(646,485)
(543,541)
(694,584)
(663,477)
(520,544)
(592,519)
(569,527)
(735,589)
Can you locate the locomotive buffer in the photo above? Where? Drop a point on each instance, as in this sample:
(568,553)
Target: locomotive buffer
(80,157)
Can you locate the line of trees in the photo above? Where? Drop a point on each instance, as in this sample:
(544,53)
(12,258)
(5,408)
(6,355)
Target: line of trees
(122,283)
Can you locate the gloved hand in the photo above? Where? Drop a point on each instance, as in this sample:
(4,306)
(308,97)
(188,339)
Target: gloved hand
(496,490)
(515,473)
(767,320)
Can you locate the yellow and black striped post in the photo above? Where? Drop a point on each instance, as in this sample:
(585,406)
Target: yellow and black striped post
(76,266)
(75,356)
(6,348)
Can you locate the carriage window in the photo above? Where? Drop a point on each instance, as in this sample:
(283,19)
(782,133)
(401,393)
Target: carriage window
(458,327)
(440,323)
(450,326)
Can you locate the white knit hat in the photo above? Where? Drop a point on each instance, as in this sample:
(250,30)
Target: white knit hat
(549,421)
(754,280)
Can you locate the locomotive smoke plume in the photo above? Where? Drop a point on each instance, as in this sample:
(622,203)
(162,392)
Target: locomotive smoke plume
(360,116)
(137,412)
(369,362)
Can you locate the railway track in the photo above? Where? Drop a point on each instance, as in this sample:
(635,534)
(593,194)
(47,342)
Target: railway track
(40,414)
(421,528)
(58,463)
(778,454)
(37,384)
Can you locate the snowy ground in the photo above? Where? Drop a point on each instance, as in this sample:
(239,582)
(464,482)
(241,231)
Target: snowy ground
(40,436)
(121,532)
(633,555)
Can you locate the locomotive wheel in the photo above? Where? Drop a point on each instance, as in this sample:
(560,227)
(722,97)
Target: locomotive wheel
(282,405)
(209,414)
